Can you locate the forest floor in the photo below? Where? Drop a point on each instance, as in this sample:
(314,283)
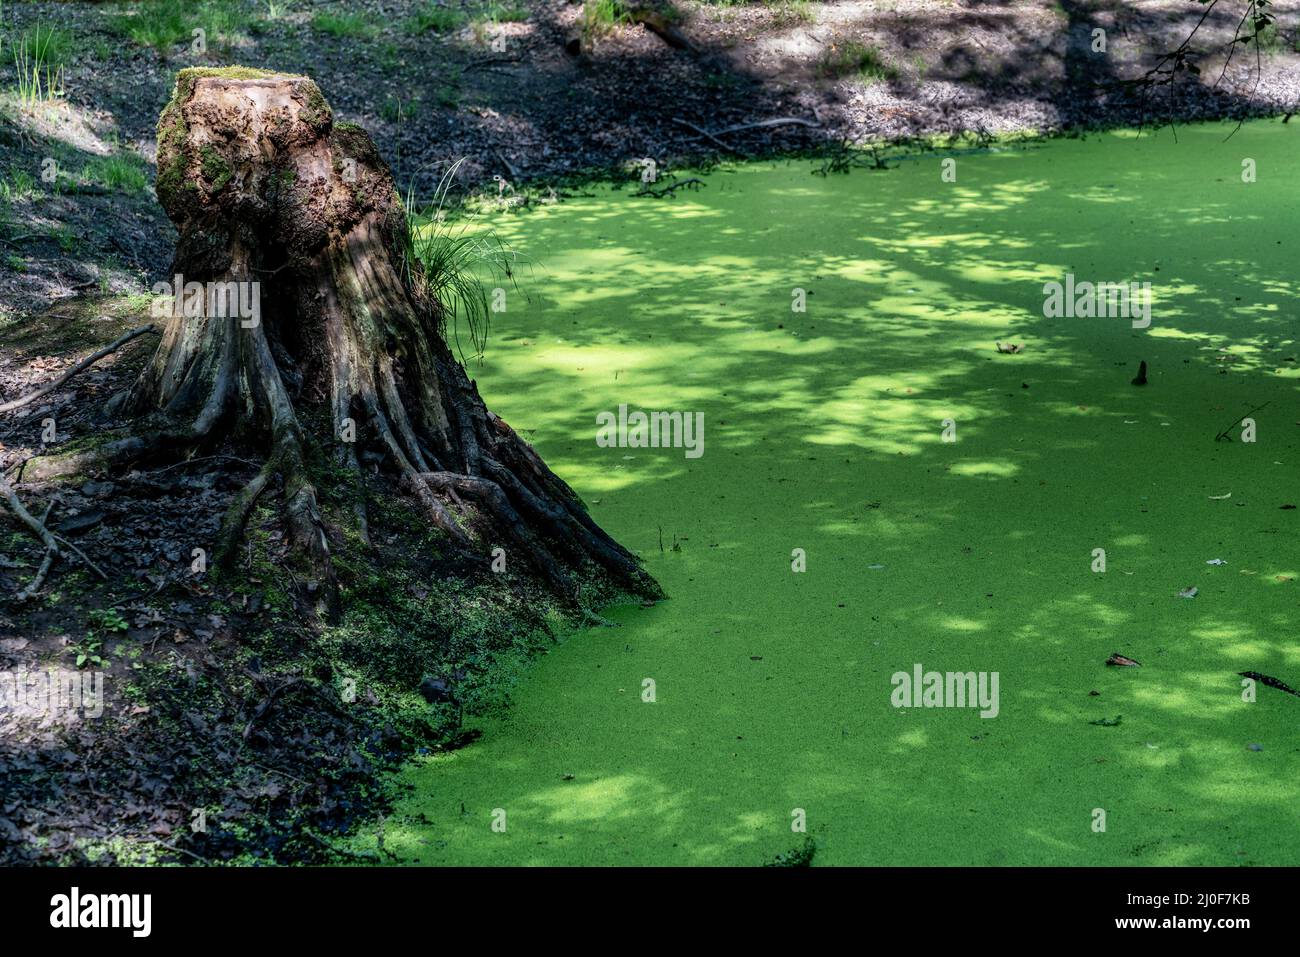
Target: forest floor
(221,698)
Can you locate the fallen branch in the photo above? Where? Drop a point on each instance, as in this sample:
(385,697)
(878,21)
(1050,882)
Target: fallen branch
(178,850)
(661,26)
(490,61)
(764,124)
(668,190)
(712,138)
(83,364)
(506,163)
(47,562)
(27,518)
(82,555)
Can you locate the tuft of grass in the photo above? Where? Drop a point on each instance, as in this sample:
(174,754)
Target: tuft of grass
(601,17)
(160,24)
(787,13)
(394,108)
(447,258)
(20,185)
(435,18)
(39,56)
(342,24)
(448,96)
(121,171)
(498,12)
(856,59)
(276,9)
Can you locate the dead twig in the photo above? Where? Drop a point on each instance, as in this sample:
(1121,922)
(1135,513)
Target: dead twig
(668,190)
(27,518)
(34,585)
(764,124)
(82,555)
(178,850)
(267,702)
(1235,422)
(711,138)
(83,364)
(514,175)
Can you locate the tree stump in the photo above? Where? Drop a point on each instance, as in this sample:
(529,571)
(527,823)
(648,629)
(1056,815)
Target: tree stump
(346,348)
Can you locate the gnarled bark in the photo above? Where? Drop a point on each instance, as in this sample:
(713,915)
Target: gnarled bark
(264,187)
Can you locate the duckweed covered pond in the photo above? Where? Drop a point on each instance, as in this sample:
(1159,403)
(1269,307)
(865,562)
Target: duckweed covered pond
(825,431)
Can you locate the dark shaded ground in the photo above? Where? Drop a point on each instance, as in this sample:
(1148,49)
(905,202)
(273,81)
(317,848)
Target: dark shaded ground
(504,95)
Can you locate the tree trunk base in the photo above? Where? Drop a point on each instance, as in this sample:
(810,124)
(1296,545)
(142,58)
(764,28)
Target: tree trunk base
(299,292)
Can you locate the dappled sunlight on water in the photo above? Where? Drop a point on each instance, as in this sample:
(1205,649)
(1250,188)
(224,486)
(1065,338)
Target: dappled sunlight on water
(823,431)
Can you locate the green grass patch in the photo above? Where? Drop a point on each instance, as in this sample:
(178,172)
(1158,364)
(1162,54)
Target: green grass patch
(343,25)
(435,18)
(498,12)
(121,171)
(858,60)
(600,17)
(164,24)
(788,13)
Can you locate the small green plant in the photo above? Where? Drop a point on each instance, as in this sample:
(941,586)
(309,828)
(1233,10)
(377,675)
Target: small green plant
(1267,37)
(448,96)
(275,9)
(342,24)
(856,59)
(20,185)
(16,263)
(445,260)
(435,18)
(394,108)
(108,619)
(39,56)
(88,651)
(65,237)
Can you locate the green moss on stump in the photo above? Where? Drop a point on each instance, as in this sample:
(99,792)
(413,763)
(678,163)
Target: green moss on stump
(173,130)
(215,169)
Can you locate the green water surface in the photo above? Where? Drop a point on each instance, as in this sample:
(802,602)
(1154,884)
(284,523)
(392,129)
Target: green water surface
(823,431)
